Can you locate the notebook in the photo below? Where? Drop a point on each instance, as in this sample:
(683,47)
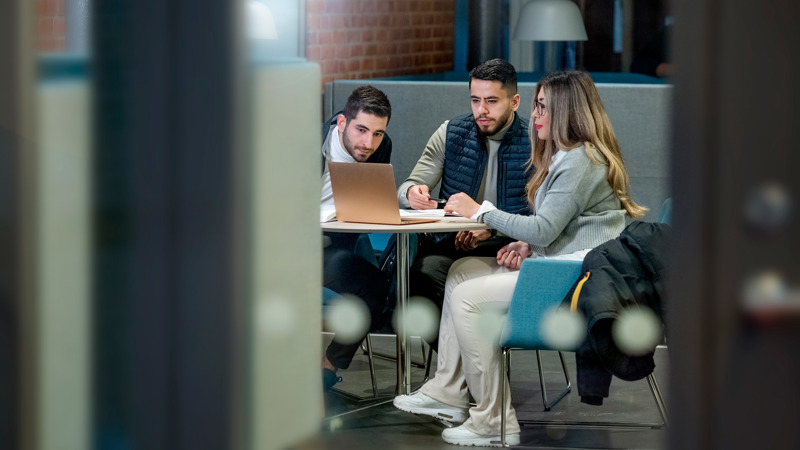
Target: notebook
(366,193)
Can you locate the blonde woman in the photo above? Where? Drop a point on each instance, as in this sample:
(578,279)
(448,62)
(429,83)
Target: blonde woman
(579,194)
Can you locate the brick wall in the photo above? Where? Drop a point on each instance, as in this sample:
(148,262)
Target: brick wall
(349,39)
(353,39)
(51,20)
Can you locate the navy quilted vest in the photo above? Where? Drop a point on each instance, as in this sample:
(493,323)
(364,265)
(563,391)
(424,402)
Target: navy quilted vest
(465,161)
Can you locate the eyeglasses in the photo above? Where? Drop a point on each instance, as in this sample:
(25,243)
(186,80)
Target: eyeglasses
(539,108)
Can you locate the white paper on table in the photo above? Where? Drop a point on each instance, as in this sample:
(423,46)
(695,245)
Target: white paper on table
(327,213)
(421,213)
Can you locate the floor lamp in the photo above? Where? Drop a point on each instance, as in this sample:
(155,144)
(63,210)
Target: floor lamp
(550,21)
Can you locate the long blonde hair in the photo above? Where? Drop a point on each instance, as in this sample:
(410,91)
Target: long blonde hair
(577,117)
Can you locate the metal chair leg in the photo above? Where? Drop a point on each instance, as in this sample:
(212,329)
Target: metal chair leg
(426,356)
(392,357)
(371,355)
(548,406)
(366,345)
(371,359)
(508,365)
(505,368)
(428,360)
(651,381)
(566,372)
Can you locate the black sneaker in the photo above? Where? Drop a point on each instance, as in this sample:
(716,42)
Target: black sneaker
(329,378)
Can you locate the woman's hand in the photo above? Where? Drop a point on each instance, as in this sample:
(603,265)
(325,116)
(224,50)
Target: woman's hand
(462,204)
(513,254)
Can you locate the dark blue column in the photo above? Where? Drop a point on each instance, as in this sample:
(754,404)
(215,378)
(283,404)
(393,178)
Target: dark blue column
(163,217)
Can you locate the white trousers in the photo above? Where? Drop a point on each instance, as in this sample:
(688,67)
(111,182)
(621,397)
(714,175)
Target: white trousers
(477,294)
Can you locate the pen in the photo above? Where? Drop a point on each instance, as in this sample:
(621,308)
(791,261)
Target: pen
(441,202)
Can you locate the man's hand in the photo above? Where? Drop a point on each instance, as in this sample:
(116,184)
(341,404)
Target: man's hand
(419,197)
(467,240)
(513,254)
(462,204)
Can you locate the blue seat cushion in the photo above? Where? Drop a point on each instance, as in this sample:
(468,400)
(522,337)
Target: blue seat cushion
(541,286)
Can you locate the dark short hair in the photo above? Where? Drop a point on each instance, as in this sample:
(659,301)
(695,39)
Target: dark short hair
(496,70)
(369,100)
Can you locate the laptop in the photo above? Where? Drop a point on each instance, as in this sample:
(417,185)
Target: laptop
(366,193)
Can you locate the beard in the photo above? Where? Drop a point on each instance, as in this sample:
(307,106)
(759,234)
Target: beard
(496,125)
(358,152)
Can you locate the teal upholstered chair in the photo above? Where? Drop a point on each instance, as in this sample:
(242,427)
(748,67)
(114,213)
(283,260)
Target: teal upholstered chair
(541,286)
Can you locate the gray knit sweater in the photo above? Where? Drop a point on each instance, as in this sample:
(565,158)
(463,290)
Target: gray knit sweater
(574,209)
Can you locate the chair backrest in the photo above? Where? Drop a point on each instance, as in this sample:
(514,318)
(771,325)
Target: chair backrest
(665,212)
(541,286)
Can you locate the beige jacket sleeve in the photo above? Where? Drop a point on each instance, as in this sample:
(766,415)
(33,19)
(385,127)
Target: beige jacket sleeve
(428,170)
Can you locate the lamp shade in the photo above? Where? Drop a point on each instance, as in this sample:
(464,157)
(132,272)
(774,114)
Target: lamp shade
(550,20)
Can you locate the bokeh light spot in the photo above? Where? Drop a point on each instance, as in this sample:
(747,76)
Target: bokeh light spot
(348,317)
(422,318)
(767,209)
(489,324)
(556,431)
(563,329)
(765,288)
(277,317)
(335,423)
(636,331)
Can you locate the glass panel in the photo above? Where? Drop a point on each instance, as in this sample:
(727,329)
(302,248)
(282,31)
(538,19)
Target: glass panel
(62,26)
(276,28)
(61,187)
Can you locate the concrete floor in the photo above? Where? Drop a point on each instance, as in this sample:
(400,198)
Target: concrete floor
(384,427)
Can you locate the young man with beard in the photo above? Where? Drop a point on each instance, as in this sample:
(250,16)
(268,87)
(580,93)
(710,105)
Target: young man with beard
(356,135)
(483,154)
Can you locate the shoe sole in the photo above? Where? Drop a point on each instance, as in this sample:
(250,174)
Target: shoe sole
(484,442)
(444,422)
(448,420)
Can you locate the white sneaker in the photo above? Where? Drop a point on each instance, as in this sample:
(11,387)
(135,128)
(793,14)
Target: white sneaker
(420,403)
(462,436)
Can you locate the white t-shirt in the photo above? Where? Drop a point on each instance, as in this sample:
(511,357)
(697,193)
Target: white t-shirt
(338,154)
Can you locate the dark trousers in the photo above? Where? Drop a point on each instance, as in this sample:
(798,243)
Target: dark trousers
(435,254)
(348,273)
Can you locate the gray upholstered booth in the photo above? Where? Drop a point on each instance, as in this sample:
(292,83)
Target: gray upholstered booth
(639,113)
